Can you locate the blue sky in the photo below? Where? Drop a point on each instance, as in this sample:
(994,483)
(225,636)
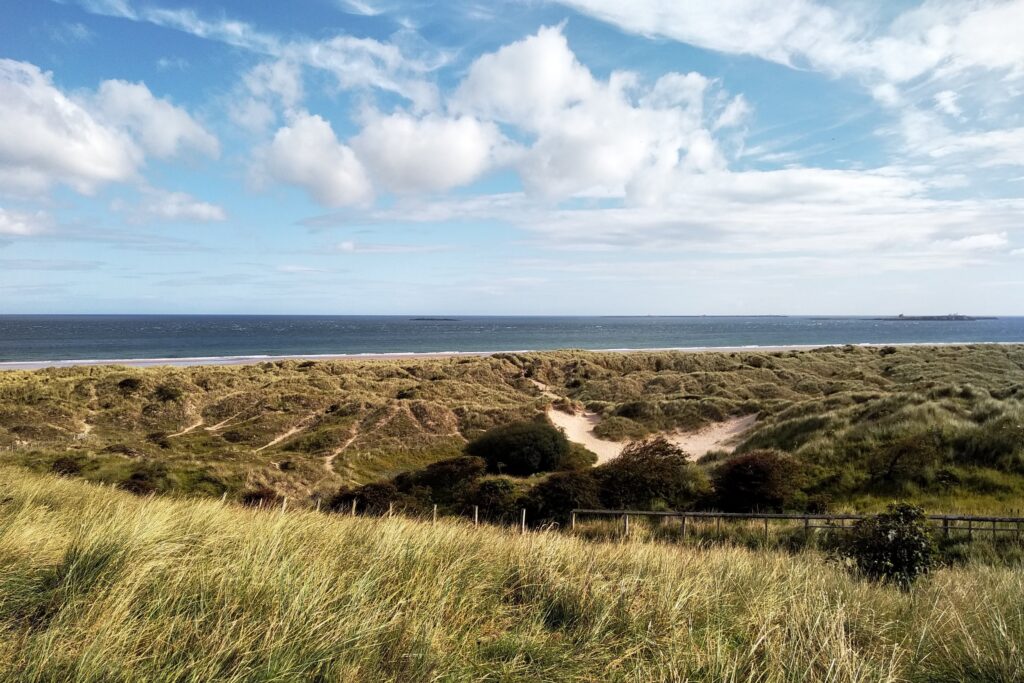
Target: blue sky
(575,157)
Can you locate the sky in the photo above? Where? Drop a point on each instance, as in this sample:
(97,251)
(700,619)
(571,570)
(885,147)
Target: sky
(525,157)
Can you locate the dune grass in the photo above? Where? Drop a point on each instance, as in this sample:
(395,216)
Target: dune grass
(98,585)
(940,425)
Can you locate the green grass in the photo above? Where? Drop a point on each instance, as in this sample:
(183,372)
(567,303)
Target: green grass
(97,585)
(940,425)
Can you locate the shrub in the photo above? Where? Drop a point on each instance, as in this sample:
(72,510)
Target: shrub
(130,385)
(496,499)
(762,480)
(443,482)
(376,498)
(66,466)
(895,546)
(521,448)
(262,496)
(554,498)
(146,480)
(650,474)
(166,392)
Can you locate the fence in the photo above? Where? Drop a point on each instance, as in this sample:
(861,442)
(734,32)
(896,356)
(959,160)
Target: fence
(948,524)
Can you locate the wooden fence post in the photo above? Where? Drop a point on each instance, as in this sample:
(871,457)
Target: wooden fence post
(391,509)
(572,520)
(353,507)
(945,527)
(476,515)
(284,504)
(435,514)
(625,525)
(718,525)
(318,505)
(522,522)
(683,532)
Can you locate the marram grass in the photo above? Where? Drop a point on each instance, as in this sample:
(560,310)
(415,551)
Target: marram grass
(96,585)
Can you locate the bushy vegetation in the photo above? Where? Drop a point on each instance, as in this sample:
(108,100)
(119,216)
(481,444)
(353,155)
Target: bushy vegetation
(757,481)
(651,475)
(895,546)
(99,585)
(522,448)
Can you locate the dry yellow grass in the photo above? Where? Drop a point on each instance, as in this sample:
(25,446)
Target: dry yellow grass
(96,585)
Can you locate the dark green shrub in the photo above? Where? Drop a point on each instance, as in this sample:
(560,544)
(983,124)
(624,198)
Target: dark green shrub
(146,480)
(166,392)
(650,474)
(376,498)
(261,497)
(66,466)
(496,499)
(895,546)
(762,480)
(444,482)
(521,448)
(130,385)
(554,498)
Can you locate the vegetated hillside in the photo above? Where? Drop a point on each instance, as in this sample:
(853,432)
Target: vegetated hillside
(98,585)
(941,424)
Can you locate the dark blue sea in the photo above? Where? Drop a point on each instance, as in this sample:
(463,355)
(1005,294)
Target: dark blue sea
(122,337)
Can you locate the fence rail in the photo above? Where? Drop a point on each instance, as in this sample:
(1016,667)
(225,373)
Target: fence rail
(947,523)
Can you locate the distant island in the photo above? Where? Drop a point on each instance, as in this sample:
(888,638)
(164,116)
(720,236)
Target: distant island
(952,317)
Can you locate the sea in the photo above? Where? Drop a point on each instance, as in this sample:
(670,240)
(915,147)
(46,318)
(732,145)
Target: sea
(35,338)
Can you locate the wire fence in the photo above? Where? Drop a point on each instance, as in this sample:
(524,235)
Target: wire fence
(946,524)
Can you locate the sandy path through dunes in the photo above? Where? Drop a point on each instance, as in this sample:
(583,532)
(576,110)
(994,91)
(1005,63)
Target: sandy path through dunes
(579,428)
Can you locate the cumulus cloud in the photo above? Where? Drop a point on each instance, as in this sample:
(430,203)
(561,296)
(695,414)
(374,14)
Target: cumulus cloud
(22,223)
(266,90)
(162,129)
(408,154)
(306,153)
(591,137)
(174,207)
(47,137)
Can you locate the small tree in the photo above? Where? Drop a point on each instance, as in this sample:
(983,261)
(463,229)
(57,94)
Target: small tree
(761,480)
(648,474)
(496,499)
(895,546)
(521,448)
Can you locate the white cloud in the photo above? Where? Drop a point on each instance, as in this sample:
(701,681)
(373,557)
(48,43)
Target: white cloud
(267,90)
(591,137)
(306,153)
(48,138)
(161,128)
(409,154)
(175,207)
(354,62)
(945,101)
(352,247)
(980,242)
(21,223)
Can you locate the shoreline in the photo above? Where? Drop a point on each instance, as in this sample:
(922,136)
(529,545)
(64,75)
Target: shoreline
(190,361)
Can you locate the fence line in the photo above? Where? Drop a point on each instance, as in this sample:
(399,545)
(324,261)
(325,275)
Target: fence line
(947,523)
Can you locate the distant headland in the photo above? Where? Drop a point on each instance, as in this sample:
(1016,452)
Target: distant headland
(952,317)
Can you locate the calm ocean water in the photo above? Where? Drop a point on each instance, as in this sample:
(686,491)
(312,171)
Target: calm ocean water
(81,337)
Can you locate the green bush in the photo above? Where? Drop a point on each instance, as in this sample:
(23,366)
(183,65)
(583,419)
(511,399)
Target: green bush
(444,482)
(762,480)
(521,448)
(554,498)
(651,474)
(895,546)
(372,499)
(496,499)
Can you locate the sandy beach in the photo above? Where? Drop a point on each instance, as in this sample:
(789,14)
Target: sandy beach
(252,360)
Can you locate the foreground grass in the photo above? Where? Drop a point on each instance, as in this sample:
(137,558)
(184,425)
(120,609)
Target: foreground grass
(96,585)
